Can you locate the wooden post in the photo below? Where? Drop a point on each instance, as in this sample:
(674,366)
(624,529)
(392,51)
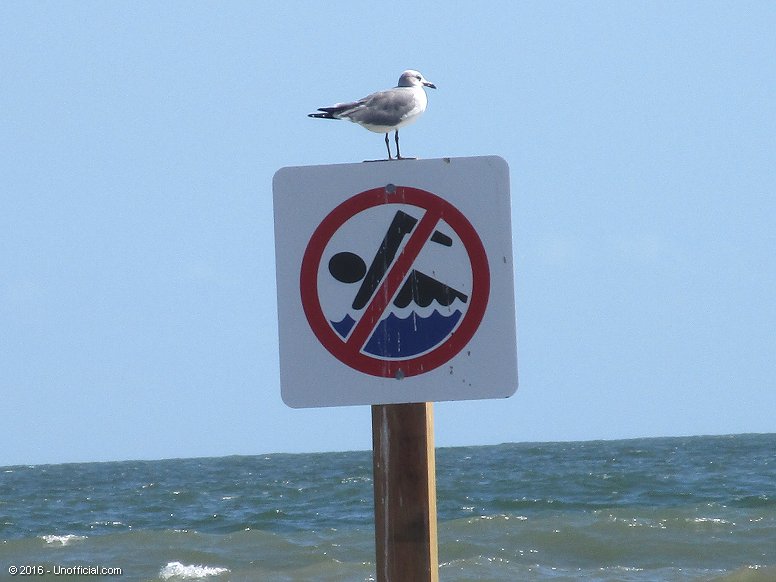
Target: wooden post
(405,492)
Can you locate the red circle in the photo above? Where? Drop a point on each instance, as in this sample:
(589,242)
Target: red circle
(308,283)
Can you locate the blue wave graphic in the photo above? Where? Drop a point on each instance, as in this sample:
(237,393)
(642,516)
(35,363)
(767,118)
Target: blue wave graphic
(343,327)
(402,338)
(395,337)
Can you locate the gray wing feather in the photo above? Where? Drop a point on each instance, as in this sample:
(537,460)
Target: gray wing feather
(382,108)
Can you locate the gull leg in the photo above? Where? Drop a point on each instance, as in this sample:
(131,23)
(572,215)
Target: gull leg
(388,145)
(398,155)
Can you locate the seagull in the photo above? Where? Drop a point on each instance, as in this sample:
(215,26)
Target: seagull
(385,111)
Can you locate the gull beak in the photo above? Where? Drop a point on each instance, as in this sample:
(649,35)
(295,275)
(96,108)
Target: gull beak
(428,84)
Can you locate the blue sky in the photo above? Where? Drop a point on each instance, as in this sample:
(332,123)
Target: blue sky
(138,141)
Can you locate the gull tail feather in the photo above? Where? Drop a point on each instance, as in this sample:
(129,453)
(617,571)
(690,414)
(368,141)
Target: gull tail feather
(321,115)
(336,111)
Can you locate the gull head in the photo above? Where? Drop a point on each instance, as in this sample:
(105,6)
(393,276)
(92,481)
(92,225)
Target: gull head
(412,78)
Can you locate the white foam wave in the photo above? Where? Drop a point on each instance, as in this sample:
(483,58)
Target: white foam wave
(191,572)
(404,312)
(63,540)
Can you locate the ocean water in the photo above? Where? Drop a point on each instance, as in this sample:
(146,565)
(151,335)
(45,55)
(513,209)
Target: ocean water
(688,509)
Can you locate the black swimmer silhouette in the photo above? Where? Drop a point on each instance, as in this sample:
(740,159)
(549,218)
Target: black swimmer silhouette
(348,267)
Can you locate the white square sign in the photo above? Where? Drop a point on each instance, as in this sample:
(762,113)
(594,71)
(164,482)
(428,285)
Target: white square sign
(395,282)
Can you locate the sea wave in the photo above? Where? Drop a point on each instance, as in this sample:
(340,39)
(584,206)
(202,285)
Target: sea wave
(752,573)
(178,571)
(62,540)
(625,511)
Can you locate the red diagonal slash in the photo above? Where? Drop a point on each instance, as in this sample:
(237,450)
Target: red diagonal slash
(393,280)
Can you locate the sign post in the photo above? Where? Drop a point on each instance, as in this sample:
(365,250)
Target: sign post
(395,289)
(405,492)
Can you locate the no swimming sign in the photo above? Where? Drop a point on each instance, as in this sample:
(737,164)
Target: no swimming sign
(395,282)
